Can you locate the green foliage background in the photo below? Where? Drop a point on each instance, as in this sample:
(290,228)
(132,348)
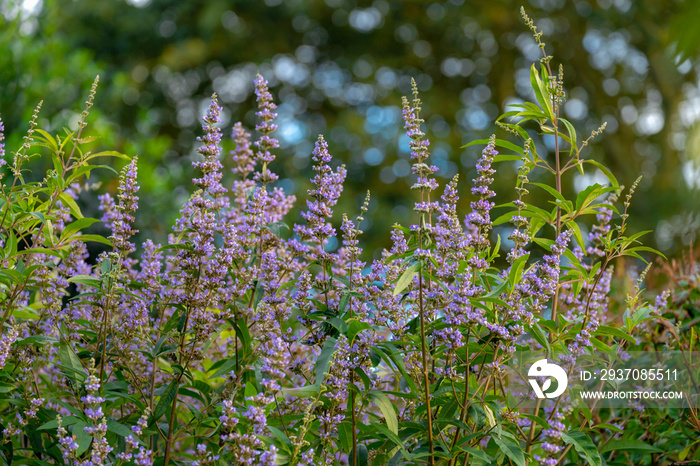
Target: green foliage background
(336,64)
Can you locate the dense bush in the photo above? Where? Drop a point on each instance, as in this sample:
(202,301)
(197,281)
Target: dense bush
(245,341)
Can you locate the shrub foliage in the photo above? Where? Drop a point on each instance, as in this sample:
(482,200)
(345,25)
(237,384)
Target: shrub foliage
(245,340)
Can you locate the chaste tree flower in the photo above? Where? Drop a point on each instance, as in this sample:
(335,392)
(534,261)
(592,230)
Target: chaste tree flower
(2,144)
(267,114)
(328,185)
(479,221)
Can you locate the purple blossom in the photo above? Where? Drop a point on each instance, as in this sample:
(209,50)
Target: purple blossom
(519,235)
(243,157)
(210,150)
(267,114)
(327,186)
(425,182)
(118,217)
(6,342)
(2,144)
(479,220)
(229,264)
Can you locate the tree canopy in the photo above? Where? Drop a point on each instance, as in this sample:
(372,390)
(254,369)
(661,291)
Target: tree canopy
(340,67)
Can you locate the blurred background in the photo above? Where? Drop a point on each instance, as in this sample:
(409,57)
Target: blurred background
(340,67)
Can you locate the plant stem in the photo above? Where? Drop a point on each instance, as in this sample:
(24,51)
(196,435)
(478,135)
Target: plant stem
(235,318)
(463,414)
(558,173)
(424,357)
(531,436)
(171,423)
(105,322)
(354,421)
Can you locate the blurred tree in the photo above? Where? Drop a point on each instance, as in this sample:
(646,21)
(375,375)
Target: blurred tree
(340,66)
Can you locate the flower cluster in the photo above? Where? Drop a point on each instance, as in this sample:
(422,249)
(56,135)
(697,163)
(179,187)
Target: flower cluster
(328,185)
(479,221)
(119,218)
(2,144)
(425,183)
(245,341)
(134,450)
(267,114)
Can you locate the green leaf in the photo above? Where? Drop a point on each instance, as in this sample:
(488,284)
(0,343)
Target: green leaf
(355,327)
(557,195)
(406,278)
(108,153)
(537,419)
(324,361)
(306,391)
(387,408)
(119,429)
(39,216)
(13,275)
(243,334)
(85,280)
(541,92)
(82,438)
(36,340)
(93,238)
(69,359)
(66,421)
(577,233)
(630,445)
(166,400)
(345,435)
(572,135)
(40,250)
(499,143)
(476,453)
(388,353)
(608,427)
(362,456)
(516,270)
(632,251)
(583,444)
(496,248)
(641,314)
(507,158)
(605,170)
(684,453)
(78,225)
(600,345)
(50,140)
(588,195)
(105,266)
(70,203)
(539,335)
(173,320)
(363,376)
(338,324)
(511,448)
(391,436)
(490,418)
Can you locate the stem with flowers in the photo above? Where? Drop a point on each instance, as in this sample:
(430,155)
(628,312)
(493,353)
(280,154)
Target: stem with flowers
(248,341)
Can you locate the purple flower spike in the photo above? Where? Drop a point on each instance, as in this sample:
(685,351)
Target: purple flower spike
(267,114)
(327,188)
(2,144)
(210,149)
(118,217)
(425,182)
(479,220)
